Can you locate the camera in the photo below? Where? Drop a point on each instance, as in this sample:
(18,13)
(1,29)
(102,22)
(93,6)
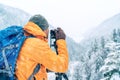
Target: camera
(52,34)
(53,40)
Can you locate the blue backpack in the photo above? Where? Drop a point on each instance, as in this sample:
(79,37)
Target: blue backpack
(11,40)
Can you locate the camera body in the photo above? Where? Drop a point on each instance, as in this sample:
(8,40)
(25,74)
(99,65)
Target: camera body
(52,34)
(53,40)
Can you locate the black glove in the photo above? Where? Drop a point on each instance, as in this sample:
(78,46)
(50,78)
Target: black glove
(60,34)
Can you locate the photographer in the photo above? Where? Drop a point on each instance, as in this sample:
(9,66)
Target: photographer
(36,51)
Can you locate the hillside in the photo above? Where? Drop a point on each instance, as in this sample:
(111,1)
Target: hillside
(12,16)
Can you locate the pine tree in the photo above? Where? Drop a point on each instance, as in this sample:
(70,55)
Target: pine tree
(102,42)
(118,35)
(114,35)
(95,46)
(112,62)
(118,32)
(77,73)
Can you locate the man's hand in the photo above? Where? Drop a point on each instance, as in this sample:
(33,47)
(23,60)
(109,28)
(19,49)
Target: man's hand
(60,34)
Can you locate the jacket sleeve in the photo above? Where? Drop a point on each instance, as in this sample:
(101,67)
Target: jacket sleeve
(57,63)
(44,55)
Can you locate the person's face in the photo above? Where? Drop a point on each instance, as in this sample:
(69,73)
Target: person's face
(46,32)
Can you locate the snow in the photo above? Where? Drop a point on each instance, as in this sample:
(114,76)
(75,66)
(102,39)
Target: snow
(87,60)
(115,76)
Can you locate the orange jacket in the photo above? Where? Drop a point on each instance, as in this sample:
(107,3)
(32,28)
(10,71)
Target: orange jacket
(36,50)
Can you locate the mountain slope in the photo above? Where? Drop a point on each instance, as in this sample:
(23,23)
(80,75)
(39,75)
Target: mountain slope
(12,16)
(94,52)
(105,28)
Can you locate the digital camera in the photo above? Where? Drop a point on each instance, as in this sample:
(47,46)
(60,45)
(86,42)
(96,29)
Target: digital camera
(52,34)
(53,39)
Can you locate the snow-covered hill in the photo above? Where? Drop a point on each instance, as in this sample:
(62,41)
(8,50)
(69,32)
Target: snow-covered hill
(94,46)
(105,28)
(12,16)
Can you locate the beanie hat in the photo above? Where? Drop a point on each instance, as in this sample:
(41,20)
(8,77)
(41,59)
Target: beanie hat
(40,21)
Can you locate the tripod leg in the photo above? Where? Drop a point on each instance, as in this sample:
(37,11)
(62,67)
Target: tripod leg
(65,76)
(58,76)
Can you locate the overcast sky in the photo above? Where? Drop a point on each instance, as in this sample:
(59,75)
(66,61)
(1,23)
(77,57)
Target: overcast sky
(76,17)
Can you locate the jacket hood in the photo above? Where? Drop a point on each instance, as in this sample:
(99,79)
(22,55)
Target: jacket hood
(34,29)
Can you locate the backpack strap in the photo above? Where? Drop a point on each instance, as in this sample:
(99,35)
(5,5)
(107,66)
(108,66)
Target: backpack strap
(32,76)
(7,66)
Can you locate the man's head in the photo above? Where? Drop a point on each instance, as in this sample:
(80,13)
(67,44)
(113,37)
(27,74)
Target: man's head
(41,22)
